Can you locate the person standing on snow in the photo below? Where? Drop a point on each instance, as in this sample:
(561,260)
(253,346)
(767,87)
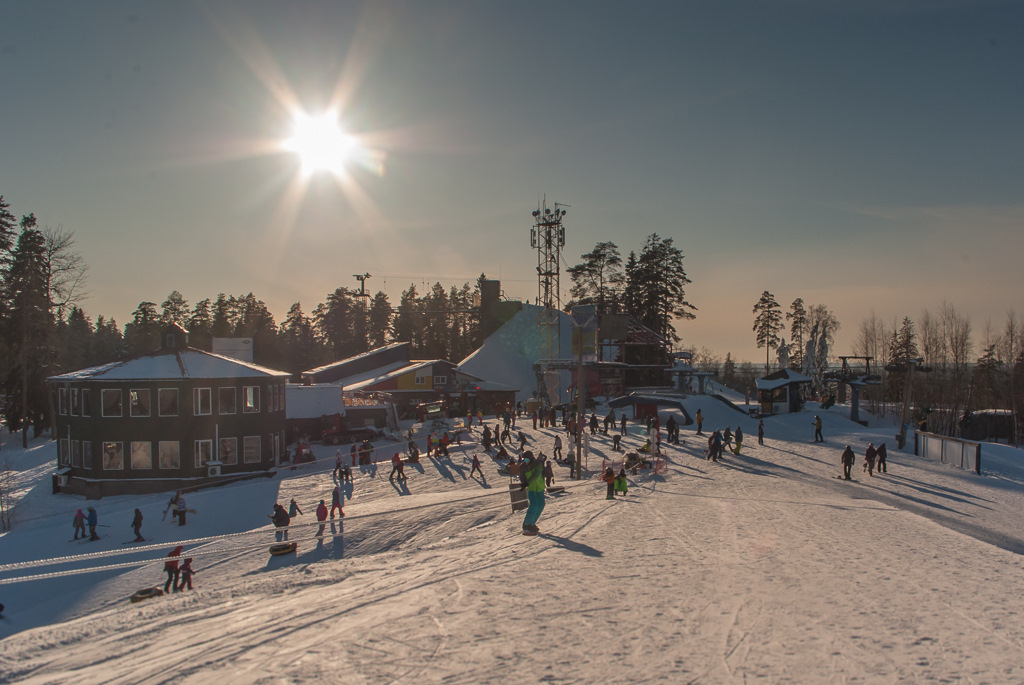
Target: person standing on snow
(293,509)
(186,573)
(670,430)
(869,459)
(760,432)
(621,484)
(321,517)
(609,479)
(476,467)
(180,510)
(281,520)
(817,430)
(622,429)
(79,523)
(557,451)
(92,519)
(171,568)
(739,440)
(532,479)
(522,441)
(137,526)
(336,501)
(549,472)
(700,422)
(396,468)
(848,458)
(880,454)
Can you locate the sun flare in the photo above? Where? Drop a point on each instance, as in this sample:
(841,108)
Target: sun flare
(321,144)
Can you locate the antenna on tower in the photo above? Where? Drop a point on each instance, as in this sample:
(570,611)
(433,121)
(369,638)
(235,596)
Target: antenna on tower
(547,236)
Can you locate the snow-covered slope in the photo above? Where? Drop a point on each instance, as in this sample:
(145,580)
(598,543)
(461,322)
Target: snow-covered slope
(761,567)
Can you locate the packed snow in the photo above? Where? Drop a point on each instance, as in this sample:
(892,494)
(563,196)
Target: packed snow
(763,566)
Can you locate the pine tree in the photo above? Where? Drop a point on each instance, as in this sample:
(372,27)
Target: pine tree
(175,310)
(655,285)
(767,324)
(302,351)
(409,320)
(142,333)
(797,317)
(599,278)
(200,326)
(378,321)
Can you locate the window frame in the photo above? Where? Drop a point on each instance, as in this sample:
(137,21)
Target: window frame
(133,394)
(234,400)
(160,403)
(245,449)
(197,452)
(132,453)
(177,455)
(120,449)
(197,401)
(233,449)
(250,392)
(120,403)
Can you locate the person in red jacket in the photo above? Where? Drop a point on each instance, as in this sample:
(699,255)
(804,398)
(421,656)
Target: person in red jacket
(171,567)
(321,517)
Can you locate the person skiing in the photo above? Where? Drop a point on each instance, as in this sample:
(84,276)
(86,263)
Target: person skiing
(739,440)
(700,422)
(281,520)
(621,485)
(848,458)
(396,468)
(293,508)
(171,568)
(880,455)
(532,479)
(549,472)
(817,430)
(137,526)
(92,519)
(609,479)
(869,459)
(321,517)
(79,523)
(760,432)
(476,467)
(336,501)
(186,574)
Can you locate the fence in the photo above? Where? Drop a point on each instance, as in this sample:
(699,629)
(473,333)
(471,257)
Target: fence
(964,454)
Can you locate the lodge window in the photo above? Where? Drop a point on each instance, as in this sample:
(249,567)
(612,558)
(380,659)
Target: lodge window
(142,455)
(170,457)
(203,452)
(168,399)
(202,401)
(251,449)
(440,380)
(139,401)
(251,399)
(111,403)
(64,450)
(86,402)
(421,380)
(75,406)
(62,401)
(229,451)
(86,455)
(227,401)
(76,453)
(113,456)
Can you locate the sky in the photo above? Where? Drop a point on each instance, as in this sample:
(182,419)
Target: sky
(762,567)
(865,156)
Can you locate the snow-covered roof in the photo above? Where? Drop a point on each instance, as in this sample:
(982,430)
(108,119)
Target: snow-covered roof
(360,381)
(365,355)
(313,401)
(171,364)
(780,378)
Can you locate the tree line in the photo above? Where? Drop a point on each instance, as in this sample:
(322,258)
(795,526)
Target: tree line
(46,332)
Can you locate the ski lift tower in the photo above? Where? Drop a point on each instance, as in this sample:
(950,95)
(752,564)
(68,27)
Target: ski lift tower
(548,237)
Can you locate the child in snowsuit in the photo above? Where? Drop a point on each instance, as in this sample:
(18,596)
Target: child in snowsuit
(293,509)
(79,523)
(609,478)
(549,473)
(616,439)
(186,575)
(620,483)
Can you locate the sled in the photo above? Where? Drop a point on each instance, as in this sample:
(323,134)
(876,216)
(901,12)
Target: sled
(145,593)
(556,488)
(283,548)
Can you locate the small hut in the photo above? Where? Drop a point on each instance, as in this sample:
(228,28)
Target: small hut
(779,392)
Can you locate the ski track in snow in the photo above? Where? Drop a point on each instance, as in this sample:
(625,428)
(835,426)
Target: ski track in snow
(762,567)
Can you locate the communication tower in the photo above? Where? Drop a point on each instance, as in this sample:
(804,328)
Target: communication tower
(548,237)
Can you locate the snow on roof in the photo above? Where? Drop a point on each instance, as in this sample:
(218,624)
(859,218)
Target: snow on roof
(508,354)
(171,364)
(363,380)
(313,401)
(371,353)
(780,378)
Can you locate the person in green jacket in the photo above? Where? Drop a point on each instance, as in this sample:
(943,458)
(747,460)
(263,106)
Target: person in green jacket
(531,475)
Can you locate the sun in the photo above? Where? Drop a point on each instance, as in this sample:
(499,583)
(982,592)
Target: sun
(321,144)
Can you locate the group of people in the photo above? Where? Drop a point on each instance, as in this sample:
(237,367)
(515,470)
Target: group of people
(873,456)
(616,484)
(178,577)
(719,441)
